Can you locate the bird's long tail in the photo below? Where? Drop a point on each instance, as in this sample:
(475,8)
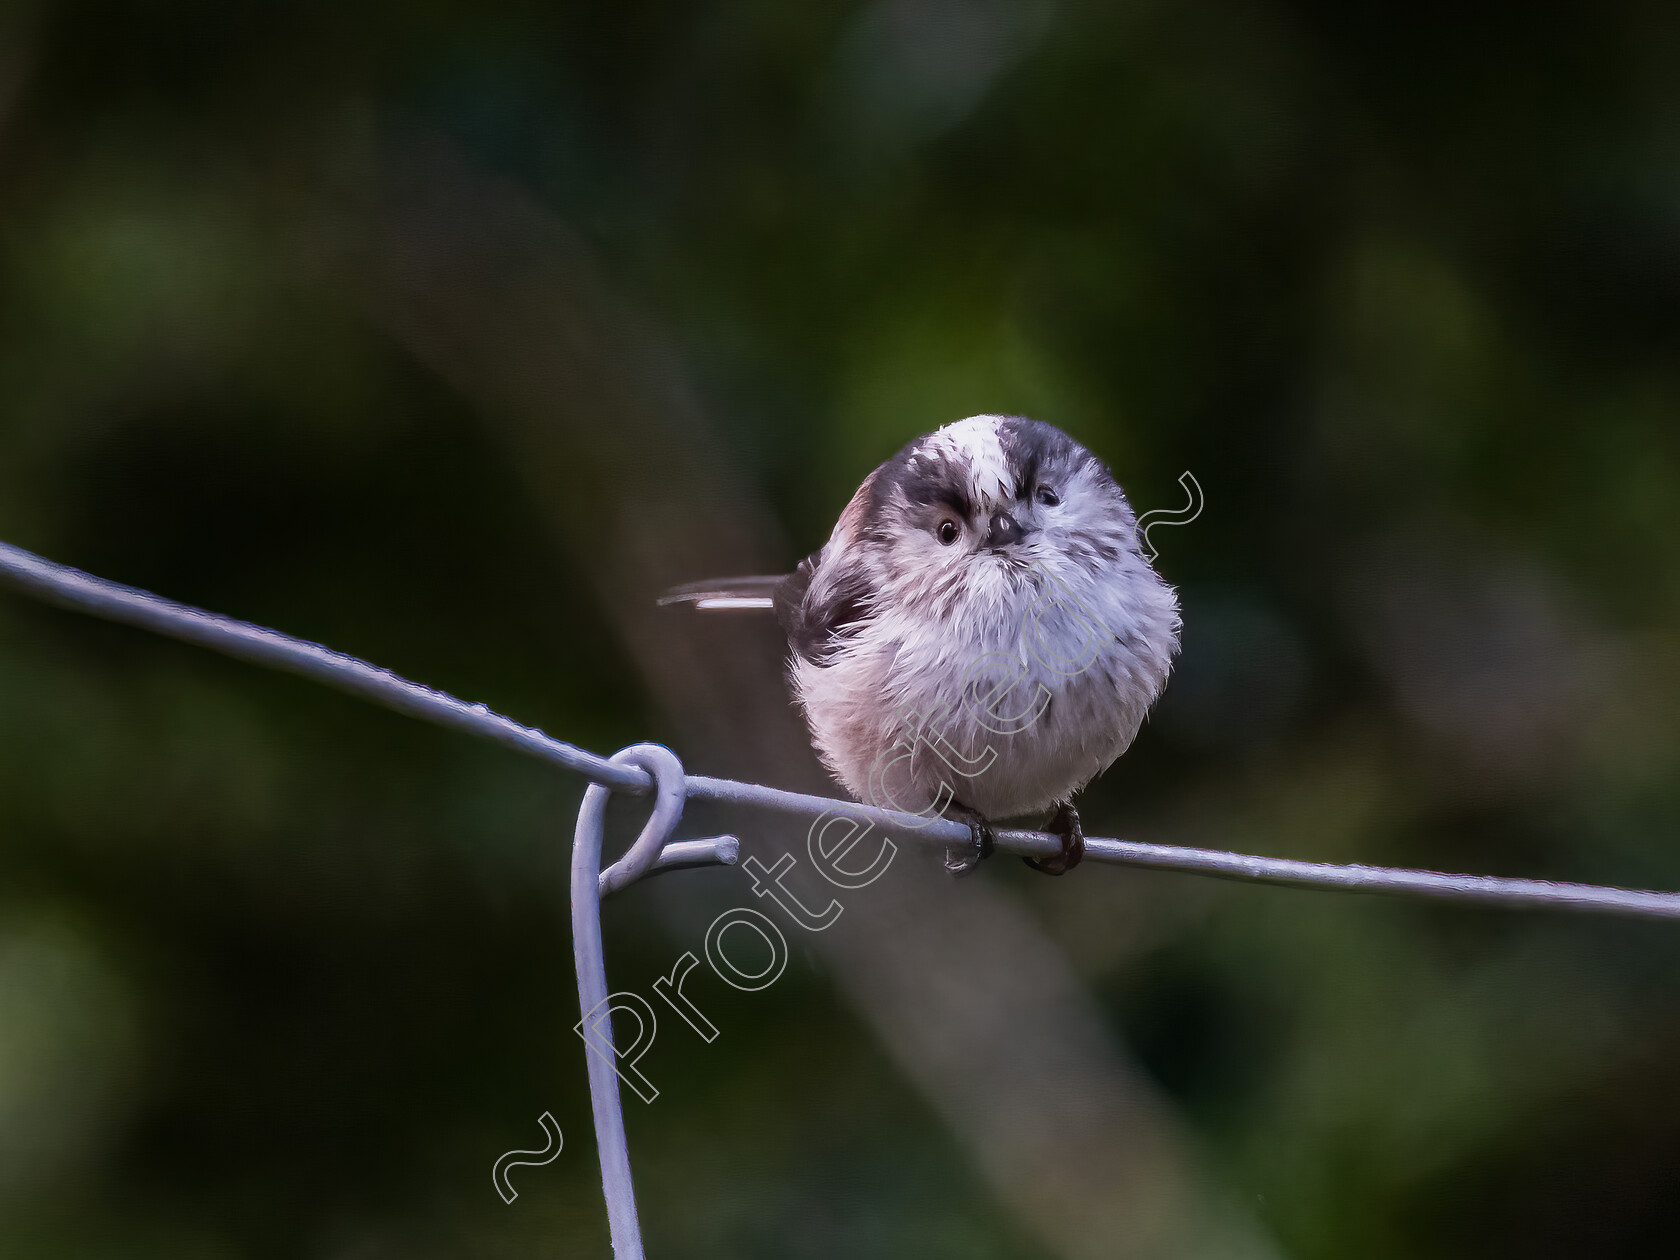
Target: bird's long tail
(727,594)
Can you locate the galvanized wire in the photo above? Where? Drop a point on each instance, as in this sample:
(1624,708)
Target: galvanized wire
(73,589)
(82,592)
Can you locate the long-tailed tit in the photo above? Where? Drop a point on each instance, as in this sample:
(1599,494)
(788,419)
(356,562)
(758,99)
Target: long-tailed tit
(980,636)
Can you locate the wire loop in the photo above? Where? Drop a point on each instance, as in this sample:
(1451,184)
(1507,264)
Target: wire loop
(670,790)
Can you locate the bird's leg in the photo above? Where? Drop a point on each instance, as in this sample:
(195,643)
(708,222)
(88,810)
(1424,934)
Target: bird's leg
(1064,823)
(961,859)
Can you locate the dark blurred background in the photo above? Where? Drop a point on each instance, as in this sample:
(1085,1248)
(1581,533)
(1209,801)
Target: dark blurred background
(447,334)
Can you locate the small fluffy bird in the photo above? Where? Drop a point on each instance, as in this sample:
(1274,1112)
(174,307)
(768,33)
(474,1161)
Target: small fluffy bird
(980,637)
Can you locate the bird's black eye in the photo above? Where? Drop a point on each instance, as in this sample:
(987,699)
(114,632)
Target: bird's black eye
(1048,497)
(948,532)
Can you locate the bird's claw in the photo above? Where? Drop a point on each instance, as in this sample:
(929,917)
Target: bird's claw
(1064,823)
(962,860)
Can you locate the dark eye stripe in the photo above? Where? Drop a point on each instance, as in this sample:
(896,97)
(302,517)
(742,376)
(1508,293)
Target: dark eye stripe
(1029,474)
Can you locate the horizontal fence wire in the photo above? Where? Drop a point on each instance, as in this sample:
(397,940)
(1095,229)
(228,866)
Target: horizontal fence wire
(73,589)
(82,592)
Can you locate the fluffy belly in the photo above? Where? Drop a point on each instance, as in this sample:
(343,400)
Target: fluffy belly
(896,744)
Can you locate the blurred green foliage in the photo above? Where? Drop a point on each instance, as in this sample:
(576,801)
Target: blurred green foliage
(281,975)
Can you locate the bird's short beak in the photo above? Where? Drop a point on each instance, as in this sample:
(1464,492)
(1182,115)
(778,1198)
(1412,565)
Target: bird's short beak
(1005,529)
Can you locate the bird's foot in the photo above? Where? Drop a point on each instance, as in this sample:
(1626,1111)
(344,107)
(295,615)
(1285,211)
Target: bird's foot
(963,859)
(1064,823)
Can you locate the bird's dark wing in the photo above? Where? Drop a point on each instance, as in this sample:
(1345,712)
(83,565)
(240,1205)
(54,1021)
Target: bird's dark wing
(790,593)
(820,606)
